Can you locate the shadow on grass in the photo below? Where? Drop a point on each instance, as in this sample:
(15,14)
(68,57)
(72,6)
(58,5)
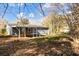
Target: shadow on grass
(35,47)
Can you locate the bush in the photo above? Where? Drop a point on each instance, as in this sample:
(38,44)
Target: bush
(3,32)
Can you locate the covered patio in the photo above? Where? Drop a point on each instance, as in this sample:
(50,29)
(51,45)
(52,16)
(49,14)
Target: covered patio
(27,30)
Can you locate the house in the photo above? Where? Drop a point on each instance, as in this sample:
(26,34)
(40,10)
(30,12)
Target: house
(26,30)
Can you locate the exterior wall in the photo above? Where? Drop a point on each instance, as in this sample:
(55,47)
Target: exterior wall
(43,31)
(9,30)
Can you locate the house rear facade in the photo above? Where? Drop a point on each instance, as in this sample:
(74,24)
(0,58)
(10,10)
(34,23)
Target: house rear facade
(26,30)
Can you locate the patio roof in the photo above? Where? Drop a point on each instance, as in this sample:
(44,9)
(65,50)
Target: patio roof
(28,25)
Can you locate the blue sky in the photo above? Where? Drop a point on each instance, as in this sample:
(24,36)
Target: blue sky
(32,11)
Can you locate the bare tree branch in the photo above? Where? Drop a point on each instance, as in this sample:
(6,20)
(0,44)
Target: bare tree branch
(42,9)
(5,10)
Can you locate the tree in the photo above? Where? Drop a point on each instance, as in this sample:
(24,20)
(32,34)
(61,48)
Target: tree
(23,21)
(71,15)
(75,22)
(55,23)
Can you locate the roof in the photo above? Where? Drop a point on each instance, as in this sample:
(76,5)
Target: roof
(28,25)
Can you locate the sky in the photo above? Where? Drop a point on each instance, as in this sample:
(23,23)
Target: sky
(31,11)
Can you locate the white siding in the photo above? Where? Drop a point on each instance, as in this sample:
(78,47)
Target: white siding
(9,30)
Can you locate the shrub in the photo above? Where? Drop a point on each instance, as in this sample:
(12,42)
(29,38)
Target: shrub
(3,32)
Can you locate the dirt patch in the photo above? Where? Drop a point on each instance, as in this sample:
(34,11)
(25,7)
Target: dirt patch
(37,47)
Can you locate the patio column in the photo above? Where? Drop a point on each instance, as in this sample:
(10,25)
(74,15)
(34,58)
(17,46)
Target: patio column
(28,31)
(33,32)
(24,32)
(36,32)
(19,32)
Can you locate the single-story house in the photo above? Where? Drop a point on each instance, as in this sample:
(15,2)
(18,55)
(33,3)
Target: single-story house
(26,30)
